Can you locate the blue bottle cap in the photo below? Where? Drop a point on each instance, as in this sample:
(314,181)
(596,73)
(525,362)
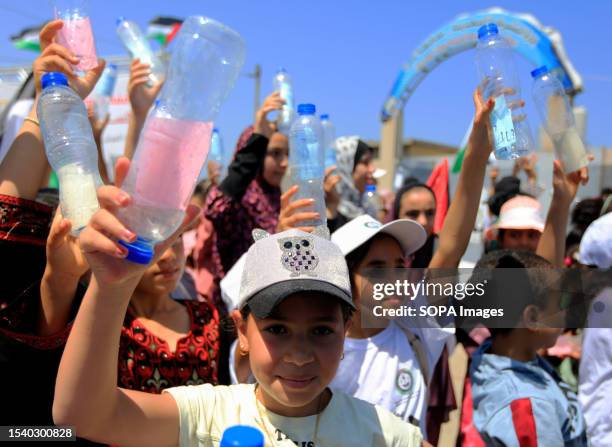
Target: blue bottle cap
(325,116)
(539,71)
(306,109)
(53,78)
(140,251)
(490,29)
(370,188)
(281,70)
(119,20)
(215,129)
(242,436)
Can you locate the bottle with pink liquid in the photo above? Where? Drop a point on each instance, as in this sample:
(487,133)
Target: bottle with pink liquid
(175,140)
(76,34)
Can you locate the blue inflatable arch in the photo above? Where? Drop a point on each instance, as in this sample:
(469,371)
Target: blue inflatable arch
(540,45)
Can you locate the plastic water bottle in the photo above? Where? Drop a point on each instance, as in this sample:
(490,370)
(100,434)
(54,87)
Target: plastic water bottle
(558,119)
(103,92)
(371,201)
(176,136)
(76,34)
(242,436)
(329,139)
(71,149)
(495,63)
(138,46)
(217,154)
(217,160)
(282,84)
(306,158)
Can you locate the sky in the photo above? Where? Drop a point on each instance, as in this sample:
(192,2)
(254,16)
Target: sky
(344,56)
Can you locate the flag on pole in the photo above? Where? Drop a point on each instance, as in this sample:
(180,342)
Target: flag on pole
(163,29)
(27,39)
(438,182)
(461,154)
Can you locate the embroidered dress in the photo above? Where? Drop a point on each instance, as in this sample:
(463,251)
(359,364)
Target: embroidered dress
(146,362)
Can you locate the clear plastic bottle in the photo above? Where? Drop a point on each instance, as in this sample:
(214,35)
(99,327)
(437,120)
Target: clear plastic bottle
(103,92)
(558,119)
(242,436)
(329,140)
(282,84)
(70,147)
(217,159)
(372,201)
(138,46)
(76,34)
(497,72)
(306,161)
(176,136)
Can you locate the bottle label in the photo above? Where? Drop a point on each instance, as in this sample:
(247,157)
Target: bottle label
(501,120)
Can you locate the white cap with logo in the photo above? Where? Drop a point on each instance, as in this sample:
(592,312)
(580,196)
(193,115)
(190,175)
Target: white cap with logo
(410,234)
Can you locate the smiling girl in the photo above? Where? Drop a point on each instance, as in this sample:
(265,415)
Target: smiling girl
(295,308)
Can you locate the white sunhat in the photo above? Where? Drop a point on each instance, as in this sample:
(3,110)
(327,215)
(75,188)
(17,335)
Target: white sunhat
(410,234)
(518,213)
(596,243)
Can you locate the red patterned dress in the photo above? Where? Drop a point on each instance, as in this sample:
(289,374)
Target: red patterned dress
(146,362)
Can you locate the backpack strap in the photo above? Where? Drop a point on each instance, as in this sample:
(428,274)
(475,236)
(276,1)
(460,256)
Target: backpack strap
(419,351)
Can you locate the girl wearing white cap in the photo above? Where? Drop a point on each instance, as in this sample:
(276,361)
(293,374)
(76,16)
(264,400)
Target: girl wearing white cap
(295,308)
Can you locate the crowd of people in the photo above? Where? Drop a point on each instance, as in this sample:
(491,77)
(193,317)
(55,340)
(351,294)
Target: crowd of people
(222,328)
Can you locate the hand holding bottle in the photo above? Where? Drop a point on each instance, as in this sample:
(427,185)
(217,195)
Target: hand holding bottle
(140,93)
(55,57)
(263,125)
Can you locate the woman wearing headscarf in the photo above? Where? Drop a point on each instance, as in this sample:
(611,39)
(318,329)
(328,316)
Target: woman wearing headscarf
(355,169)
(249,197)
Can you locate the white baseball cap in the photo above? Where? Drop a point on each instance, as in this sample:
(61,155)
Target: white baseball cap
(410,234)
(280,265)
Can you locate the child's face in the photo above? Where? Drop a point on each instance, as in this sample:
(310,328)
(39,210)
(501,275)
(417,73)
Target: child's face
(164,275)
(384,253)
(294,354)
(419,204)
(276,161)
(363,172)
(521,240)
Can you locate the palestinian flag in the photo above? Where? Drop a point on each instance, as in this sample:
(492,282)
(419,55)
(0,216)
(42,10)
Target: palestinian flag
(27,39)
(438,182)
(163,29)
(459,157)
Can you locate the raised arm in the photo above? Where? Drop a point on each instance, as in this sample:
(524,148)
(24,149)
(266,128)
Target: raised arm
(25,164)
(461,217)
(565,186)
(141,99)
(65,265)
(247,161)
(86,392)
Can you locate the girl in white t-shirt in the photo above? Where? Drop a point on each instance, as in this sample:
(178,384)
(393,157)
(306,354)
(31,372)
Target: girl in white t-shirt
(391,361)
(295,309)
